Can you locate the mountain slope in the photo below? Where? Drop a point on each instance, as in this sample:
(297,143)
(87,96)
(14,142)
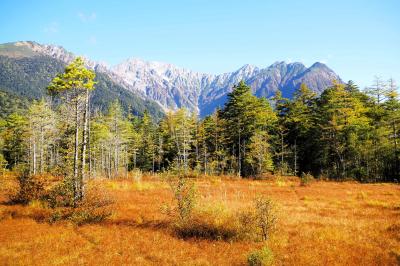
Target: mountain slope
(174,87)
(141,84)
(26,72)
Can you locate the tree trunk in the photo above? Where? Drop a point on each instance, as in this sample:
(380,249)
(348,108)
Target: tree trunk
(282,152)
(89,147)
(41,149)
(34,157)
(76,185)
(295,157)
(84,144)
(239,155)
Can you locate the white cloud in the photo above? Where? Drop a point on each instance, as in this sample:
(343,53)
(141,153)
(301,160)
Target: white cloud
(51,28)
(87,17)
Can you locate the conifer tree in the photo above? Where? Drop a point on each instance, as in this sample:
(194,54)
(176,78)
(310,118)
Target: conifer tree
(77,82)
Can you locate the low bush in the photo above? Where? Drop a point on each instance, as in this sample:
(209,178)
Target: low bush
(262,257)
(207,227)
(136,175)
(185,195)
(216,222)
(61,195)
(95,207)
(52,201)
(29,188)
(306,179)
(265,216)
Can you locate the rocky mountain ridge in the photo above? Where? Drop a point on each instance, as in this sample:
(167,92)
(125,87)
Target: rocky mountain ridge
(174,87)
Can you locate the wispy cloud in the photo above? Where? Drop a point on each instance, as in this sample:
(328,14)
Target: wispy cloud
(51,28)
(84,17)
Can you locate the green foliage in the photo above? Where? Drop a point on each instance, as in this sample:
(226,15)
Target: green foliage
(244,115)
(11,103)
(343,133)
(14,134)
(262,257)
(259,155)
(27,78)
(75,77)
(185,195)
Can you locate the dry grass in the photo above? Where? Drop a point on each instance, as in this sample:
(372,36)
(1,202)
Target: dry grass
(326,223)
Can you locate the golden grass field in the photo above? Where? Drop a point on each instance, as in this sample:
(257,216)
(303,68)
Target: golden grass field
(326,223)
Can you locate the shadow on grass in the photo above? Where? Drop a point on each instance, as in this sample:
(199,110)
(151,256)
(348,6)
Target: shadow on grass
(147,224)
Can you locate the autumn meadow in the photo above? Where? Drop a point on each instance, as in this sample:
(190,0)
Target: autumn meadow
(321,223)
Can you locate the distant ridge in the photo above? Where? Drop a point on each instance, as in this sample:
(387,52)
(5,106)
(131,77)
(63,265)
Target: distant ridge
(173,87)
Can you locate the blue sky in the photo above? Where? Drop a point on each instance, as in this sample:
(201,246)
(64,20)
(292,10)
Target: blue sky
(357,39)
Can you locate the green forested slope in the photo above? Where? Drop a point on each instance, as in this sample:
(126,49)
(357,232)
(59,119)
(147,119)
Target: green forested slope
(28,77)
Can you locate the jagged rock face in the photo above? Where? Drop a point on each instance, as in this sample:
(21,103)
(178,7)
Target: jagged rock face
(170,86)
(173,87)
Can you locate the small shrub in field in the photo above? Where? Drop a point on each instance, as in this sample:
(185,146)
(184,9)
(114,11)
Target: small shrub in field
(214,222)
(247,220)
(61,195)
(30,188)
(185,195)
(306,179)
(136,175)
(262,257)
(219,223)
(95,207)
(207,227)
(265,215)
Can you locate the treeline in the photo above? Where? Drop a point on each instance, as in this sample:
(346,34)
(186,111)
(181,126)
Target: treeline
(343,133)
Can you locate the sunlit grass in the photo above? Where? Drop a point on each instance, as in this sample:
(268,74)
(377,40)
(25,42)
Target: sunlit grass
(325,223)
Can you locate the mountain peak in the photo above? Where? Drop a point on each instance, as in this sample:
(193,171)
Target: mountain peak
(319,65)
(247,69)
(175,87)
(279,63)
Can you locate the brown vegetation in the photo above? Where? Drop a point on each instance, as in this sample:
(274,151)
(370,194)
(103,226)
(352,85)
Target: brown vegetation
(324,223)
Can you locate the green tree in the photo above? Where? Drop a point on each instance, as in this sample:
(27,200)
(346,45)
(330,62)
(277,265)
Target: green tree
(343,121)
(392,123)
(77,81)
(42,136)
(259,155)
(244,114)
(301,122)
(14,135)
(213,143)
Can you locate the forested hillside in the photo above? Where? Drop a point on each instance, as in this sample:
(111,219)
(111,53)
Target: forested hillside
(28,78)
(11,103)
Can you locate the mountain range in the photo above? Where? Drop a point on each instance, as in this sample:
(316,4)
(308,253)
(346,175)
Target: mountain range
(27,67)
